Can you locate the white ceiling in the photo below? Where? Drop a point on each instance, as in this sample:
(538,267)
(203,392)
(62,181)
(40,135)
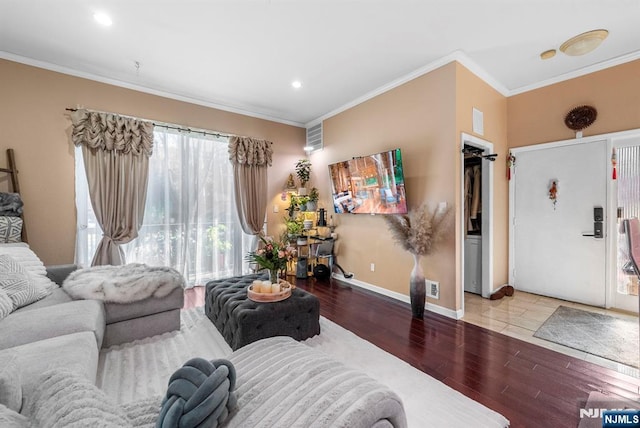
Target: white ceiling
(242,55)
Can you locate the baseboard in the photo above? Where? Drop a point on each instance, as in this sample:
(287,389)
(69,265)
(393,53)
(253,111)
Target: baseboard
(450,313)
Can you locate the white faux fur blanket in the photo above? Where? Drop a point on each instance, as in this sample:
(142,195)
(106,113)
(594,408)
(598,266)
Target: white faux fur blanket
(122,284)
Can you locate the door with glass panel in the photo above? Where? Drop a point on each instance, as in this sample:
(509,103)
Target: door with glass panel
(627,205)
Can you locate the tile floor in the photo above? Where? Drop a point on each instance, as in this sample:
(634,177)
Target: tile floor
(522,314)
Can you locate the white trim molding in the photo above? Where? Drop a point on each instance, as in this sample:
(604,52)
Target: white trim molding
(623,59)
(122,84)
(449,313)
(458,56)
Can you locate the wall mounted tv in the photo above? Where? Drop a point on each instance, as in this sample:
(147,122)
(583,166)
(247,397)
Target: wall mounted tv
(371,184)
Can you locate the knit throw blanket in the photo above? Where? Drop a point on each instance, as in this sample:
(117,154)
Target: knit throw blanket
(283,383)
(122,284)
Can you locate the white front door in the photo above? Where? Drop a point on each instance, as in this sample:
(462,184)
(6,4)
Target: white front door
(552,256)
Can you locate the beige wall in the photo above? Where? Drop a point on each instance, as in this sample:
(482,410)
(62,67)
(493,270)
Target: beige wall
(423,117)
(419,118)
(33,121)
(471,91)
(538,116)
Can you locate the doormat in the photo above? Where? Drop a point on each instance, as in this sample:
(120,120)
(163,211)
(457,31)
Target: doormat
(603,335)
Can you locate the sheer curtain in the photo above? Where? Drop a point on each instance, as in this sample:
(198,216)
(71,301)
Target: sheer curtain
(190,220)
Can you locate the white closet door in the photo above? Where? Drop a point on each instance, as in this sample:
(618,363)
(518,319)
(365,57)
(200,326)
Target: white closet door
(551,255)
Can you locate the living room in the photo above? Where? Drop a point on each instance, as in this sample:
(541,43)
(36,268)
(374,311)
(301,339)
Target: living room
(424,114)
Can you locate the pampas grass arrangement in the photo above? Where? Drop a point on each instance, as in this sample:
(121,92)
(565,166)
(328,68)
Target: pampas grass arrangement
(420,231)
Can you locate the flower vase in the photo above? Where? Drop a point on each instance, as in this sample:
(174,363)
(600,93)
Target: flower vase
(417,289)
(273,276)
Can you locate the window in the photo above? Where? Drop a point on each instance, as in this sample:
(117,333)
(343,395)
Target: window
(190,221)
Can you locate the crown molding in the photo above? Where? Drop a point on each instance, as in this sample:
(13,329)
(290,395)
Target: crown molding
(578,73)
(476,69)
(90,76)
(458,56)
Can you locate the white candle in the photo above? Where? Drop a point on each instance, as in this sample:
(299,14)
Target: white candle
(266,287)
(256,286)
(275,288)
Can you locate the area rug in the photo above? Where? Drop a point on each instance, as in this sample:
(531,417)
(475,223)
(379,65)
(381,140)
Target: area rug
(603,335)
(141,369)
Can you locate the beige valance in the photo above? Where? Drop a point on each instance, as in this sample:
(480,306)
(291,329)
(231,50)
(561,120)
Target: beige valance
(250,151)
(111,132)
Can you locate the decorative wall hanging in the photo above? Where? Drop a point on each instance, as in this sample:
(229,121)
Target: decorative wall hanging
(579,118)
(614,163)
(553,192)
(511,163)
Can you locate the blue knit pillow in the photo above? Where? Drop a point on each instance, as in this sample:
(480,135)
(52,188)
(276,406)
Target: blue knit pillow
(200,393)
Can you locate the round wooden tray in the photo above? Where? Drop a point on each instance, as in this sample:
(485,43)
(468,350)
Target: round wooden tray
(285,293)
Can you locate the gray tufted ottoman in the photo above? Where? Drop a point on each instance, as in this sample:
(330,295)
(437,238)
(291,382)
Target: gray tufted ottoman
(242,321)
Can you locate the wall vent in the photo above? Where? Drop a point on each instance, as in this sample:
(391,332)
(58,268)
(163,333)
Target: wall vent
(433,288)
(314,138)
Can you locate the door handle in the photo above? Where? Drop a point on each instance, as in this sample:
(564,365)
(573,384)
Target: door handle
(597,231)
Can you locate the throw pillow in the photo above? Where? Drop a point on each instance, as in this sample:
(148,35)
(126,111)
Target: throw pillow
(10,229)
(10,381)
(66,399)
(12,419)
(18,284)
(6,304)
(200,393)
(22,254)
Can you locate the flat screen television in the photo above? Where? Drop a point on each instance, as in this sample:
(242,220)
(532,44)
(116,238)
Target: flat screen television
(371,184)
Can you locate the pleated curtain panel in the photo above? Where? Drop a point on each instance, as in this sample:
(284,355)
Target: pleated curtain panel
(250,158)
(116,154)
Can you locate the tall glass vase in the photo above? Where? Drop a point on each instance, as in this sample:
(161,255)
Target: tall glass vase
(273,276)
(417,289)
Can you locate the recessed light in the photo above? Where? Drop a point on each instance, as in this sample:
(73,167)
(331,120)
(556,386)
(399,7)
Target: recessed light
(548,54)
(296,84)
(102,19)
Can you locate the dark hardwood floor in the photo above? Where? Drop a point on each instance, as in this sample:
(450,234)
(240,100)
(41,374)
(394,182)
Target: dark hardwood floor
(529,385)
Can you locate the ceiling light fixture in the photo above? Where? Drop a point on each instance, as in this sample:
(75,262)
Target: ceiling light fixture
(296,84)
(548,54)
(102,19)
(583,43)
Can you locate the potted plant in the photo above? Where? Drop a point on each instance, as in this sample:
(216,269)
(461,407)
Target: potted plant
(294,228)
(302,202)
(312,205)
(303,171)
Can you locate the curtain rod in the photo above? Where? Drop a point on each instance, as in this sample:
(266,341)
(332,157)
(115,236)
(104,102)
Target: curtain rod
(163,125)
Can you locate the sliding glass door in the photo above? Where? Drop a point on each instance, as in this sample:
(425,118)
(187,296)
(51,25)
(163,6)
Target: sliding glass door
(628,206)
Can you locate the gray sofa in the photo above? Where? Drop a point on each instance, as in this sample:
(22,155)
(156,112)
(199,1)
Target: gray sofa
(54,346)
(58,332)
